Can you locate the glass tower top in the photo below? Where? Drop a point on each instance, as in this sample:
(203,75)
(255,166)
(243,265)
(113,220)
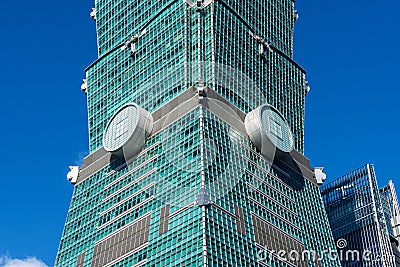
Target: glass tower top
(176,44)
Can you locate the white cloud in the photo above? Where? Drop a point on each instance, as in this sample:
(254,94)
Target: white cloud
(80,158)
(28,262)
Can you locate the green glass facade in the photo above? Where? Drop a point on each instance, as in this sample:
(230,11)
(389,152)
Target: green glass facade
(177,38)
(199,193)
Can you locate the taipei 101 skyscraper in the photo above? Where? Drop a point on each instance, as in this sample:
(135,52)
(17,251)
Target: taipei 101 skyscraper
(196,136)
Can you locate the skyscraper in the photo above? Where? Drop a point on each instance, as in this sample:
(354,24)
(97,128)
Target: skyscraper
(358,214)
(392,215)
(196,129)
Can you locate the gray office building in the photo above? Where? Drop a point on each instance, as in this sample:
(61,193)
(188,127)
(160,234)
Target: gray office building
(363,218)
(392,215)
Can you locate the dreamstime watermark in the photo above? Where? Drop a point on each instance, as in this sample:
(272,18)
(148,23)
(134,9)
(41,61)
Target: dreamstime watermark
(341,253)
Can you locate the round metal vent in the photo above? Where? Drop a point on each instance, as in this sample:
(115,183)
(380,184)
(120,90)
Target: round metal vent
(269,131)
(127,131)
(277,129)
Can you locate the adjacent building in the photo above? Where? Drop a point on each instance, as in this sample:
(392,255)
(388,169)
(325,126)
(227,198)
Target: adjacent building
(362,218)
(392,214)
(196,136)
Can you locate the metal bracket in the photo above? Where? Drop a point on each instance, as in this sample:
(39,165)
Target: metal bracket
(73,174)
(262,43)
(93,14)
(201,89)
(131,43)
(307,87)
(84,86)
(320,176)
(200,4)
(203,198)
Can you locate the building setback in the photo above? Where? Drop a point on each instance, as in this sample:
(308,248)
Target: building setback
(196,136)
(359,216)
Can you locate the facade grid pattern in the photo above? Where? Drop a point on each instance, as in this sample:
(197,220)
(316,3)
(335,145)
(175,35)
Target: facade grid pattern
(198,150)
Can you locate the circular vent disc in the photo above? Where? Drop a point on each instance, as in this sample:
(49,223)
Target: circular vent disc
(269,131)
(127,130)
(276,128)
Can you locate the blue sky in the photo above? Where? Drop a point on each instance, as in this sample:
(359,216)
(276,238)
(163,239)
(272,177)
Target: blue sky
(349,48)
